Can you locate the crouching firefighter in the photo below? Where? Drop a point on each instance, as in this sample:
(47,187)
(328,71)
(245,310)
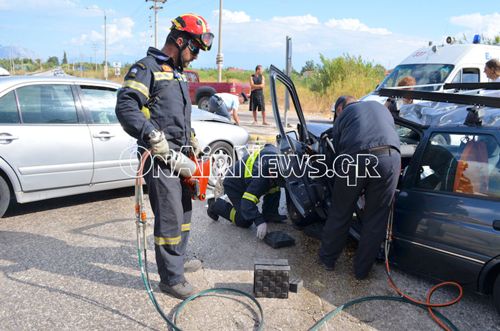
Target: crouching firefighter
(252,177)
(154,107)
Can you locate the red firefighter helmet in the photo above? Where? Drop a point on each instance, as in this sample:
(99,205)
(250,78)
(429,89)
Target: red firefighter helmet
(197,27)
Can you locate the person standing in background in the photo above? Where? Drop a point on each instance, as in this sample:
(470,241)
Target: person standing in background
(257,83)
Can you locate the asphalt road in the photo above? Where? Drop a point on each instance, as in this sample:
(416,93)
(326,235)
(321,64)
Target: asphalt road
(71,264)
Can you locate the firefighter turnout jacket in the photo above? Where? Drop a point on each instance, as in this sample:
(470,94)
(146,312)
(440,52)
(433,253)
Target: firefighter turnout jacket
(254,176)
(155,95)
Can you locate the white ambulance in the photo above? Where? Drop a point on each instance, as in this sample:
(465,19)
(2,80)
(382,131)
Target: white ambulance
(436,65)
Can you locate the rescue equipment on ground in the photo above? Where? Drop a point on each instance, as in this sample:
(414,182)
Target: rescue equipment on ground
(279,239)
(271,278)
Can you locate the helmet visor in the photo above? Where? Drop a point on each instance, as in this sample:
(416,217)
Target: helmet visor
(205,40)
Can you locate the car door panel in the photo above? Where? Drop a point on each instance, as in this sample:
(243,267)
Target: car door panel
(51,148)
(114,151)
(441,236)
(46,157)
(439,230)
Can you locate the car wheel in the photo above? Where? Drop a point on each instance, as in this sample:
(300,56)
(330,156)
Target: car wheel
(496,294)
(223,157)
(204,102)
(5,196)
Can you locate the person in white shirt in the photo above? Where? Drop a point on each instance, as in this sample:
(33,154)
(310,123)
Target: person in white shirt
(227,104)
(492,70)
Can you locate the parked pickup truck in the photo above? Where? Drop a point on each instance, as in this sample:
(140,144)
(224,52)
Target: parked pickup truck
(200,92)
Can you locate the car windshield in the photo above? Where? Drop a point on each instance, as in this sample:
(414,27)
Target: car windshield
(431,76)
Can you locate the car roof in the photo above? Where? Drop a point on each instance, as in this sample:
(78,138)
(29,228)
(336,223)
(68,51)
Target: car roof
(9,81)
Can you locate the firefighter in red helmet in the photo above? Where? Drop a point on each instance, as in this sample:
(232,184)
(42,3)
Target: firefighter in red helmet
(154,107)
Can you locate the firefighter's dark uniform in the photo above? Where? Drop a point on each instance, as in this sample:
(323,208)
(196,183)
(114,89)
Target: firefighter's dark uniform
(362,128)
(155,95)
(244,189)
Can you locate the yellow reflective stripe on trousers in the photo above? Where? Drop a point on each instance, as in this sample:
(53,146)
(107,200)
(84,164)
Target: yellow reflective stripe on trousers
(274,190)
(251,197)
(186,227)
(161,75)
(232,215)
(145,111)
(167,240)
(250,162)
(137,86)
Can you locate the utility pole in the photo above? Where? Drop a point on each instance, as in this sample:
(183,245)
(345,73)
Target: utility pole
(94,47)
(105,48)
(105,41)
(12,64)
(288,73)
(156,8)
(220,57)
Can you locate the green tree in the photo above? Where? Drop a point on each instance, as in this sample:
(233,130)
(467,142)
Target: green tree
(65,58)
(309,66)
(53,61)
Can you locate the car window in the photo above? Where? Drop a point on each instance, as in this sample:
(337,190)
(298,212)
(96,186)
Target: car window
(407,135)
(470,75)
(8,109)
(458,163)
(424,74)
(100,102)
(43,104)
(467,75)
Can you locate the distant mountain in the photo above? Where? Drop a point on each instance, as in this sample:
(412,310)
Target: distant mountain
(7,52)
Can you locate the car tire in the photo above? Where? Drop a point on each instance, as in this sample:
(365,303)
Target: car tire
(223,151)
(496,294)
(204,102)
(5,196)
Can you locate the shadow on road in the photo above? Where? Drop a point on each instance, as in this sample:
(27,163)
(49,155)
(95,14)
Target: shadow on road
(31,251)
(73,200)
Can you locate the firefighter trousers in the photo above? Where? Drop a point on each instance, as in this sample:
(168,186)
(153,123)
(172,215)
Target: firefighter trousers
(172,207)
(232,211)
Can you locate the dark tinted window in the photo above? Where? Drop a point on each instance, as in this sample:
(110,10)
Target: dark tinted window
(8,109)
(100,102)
(43,104)
(466,164)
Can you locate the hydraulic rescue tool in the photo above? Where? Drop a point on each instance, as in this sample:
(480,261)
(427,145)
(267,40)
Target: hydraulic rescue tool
(196,175)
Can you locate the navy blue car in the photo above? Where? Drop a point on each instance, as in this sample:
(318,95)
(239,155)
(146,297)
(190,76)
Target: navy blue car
(447,210)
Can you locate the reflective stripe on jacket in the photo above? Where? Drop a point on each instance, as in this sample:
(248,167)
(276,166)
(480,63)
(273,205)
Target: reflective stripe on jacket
(155,95)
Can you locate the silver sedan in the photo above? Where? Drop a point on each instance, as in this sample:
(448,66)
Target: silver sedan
(59,136)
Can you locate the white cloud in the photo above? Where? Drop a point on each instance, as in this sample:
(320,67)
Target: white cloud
(263,41)
(296,20)
(229,16)
(487,25)
(353,24)
(117,31)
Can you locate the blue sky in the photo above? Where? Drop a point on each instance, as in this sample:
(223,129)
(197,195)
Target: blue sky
(253,31)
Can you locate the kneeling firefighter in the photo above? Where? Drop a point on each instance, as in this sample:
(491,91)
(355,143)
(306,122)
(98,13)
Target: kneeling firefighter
(252,177)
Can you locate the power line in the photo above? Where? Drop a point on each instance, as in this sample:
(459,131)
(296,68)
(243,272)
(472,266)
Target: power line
(156,8)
